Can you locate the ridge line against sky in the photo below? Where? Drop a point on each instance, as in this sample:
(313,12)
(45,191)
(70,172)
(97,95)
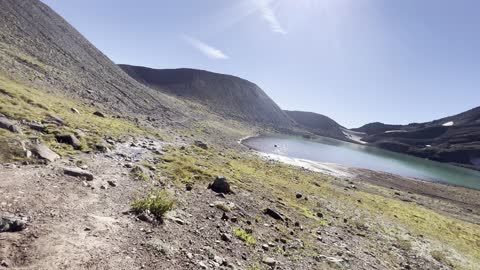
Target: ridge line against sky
(354,61)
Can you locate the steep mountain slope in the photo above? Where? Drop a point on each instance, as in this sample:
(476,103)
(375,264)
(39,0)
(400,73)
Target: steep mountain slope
(41,49)
(225,94)
(454,139)
(318,124)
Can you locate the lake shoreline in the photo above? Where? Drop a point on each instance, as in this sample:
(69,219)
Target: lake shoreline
(456,201)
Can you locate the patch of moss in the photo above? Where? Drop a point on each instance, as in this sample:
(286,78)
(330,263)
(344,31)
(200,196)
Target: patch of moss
(244,236)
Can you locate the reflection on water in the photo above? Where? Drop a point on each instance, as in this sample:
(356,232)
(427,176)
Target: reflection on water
(360,156)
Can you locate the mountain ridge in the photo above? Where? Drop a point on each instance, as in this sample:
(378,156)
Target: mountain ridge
(225,94)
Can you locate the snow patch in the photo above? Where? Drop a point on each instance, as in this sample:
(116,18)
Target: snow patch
(448,124)
(326,168)
(354,136)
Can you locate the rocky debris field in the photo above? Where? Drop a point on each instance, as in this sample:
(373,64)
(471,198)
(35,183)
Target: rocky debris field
(76,213)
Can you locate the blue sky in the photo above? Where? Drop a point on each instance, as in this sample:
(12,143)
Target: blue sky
(356,61)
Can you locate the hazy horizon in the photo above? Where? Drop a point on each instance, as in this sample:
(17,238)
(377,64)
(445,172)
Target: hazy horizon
(354,61)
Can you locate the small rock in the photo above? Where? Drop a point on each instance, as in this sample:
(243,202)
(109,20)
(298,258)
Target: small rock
(189,255)
(4,263)
(104,187)
(112,183)
(226,237)
(299,196)
(7,124)
(221,185)
(44,152)
(99,114)
(146,217)
(201,144)
(69,139)
(274,214)
(202,265)
(55,120)
(77,172)
(74,110)
(265,247)
(189,186)
(12,224)
(269,261)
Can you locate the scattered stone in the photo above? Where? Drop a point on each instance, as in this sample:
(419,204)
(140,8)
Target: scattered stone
(274,214)
(299,196)
(55,120)
(99,114)
(74,110)
(201,144)
(189,255)
(77,172)
(35,126)
(189,186)
(12,224)
(146,217)
(102,146)
(44,152)
(112,183)
(69,139)
(4,263)
(269,261)
(202,265)
(320,215)
(226,237)
(104,187)
(221,185)
(7,124)
(265,247)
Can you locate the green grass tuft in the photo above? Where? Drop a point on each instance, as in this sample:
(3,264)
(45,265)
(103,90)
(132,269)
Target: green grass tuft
(244,236)
(158,203)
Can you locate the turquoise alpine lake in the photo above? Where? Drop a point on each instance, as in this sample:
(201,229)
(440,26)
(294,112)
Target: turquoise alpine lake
(326,150)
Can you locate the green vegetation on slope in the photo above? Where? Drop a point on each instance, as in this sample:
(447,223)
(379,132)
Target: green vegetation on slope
(20,102)
(364,212)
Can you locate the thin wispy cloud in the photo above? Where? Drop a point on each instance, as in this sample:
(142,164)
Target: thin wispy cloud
(270,16)
(205,49)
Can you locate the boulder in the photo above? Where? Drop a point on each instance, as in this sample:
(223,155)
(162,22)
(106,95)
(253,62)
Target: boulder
(7,124)
(69,139)
(77,172)
(221,185)
(44,152)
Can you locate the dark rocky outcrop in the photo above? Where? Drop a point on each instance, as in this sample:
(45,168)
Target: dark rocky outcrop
(454,139)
